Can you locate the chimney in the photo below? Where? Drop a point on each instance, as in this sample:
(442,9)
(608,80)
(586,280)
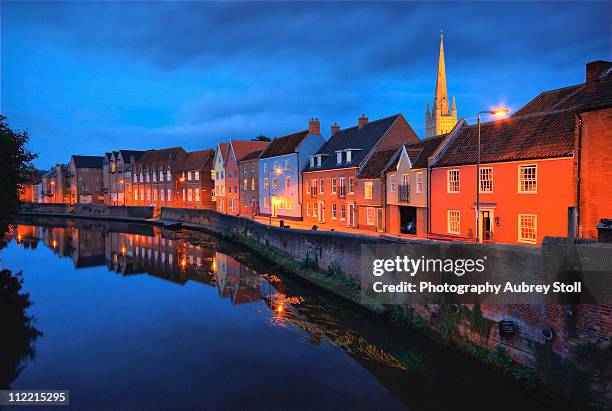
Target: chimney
(594,70)
(314,126)
(334,129)
(363,120)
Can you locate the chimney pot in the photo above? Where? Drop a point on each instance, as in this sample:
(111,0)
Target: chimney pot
(362,121)
(594,70)
(334,129)
(314,126)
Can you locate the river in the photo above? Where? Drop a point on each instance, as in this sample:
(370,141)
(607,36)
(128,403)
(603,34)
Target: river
(134,317)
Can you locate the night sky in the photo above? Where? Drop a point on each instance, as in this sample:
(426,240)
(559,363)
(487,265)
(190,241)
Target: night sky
(93,77)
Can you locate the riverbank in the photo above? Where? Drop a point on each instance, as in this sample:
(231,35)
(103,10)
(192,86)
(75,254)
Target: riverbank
(331,262)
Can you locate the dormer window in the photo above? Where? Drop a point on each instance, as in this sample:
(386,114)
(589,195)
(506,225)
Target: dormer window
(318,161)
(348,156)
(339,157)
(312,161)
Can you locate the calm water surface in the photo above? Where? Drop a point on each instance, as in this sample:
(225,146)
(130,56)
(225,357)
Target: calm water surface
(138,318)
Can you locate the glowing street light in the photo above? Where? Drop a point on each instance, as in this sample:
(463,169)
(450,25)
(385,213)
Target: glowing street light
(278,171)
(499,113)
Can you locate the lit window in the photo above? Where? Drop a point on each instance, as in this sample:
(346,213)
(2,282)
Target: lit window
(333,213)
(183,194)
(252,183)
(197,194)
(370,215)
(528,228)
(368,187)
(169,197)
(454,220)
(288,182)
(196,175)
(136,195)
(392,183)
(266,183)
(307,208)
(245,184)
(168,175)
(274,183)
(453,181)
(161,176)
(419,182)
(161,195)
(528,179)
(288,203)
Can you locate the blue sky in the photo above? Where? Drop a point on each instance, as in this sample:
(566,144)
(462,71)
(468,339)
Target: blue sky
(89,77)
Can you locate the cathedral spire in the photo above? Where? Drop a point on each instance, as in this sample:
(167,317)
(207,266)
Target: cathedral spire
(441,97)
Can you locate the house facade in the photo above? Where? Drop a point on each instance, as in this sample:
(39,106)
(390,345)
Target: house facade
(219,177)
(280,171)
(55,185)
(237,151)
(157,178)
(339,192)
(86,181)
(197,191)
(118,190)
(248,171)
(407,179)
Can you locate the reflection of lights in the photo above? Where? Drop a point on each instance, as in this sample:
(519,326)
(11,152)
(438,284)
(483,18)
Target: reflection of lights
(183,262)
(214,264)
(54,243)
(279,309)
(123,250)
(18,237)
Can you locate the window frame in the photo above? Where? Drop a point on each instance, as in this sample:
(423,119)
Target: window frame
(449,221)
(520,237)
(449,181)
(535,179)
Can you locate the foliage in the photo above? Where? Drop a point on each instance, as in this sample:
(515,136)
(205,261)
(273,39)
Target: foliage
(15,169)
(261,137)
(18,332)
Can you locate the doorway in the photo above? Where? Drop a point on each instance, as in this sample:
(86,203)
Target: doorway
(408,219)
(379,220)
(350,221)
(486,225)
(321,210)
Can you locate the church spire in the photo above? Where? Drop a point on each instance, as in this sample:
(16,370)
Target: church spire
(441,96)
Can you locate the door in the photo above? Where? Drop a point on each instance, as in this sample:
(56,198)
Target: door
(486,232)
(379,220)
(321,212)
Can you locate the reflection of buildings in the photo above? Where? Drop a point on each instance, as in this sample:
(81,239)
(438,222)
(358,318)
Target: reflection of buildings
(239,282)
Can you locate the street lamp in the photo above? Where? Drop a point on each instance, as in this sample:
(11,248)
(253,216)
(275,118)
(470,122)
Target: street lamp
(500,113)
(278,171)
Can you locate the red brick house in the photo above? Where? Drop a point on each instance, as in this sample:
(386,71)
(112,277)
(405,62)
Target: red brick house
(344,188)
(198,186)
(157,178)
(85,174)
(249,184)
(237,151)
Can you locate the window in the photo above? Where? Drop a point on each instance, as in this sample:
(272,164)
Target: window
(154,176)
(142,197)
(169,197)
(168,175)
(288,203)
(287,164)
(454,220)
(349,153)
(229,174)
(314,209)
(135,178)
(333,211)
(252,167)
(351,187)
(136,195)
(266,202)
(245,168)
(161,176)
(319,161)
(281,203)
(368,187)
(148,178)
(245,184)
(339,157)
(154,195)
(486,180)
(419,182)
(149,195)
(276,166)
(266,183)
(370,215)
(161,195)
(197,194)
(183,194)
(313,187)
(288,182)
(311,161)
(392,183)
(342,187)
(528,179)
(333,185)
(405,180)
(321,185)
(252,183)
(196,175)
(307,208)
(452,181)
(274,182)
(265,167)
(528,228)
(342,212)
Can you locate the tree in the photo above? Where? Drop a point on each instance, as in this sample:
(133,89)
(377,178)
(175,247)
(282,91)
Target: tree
(15,169)
(261,137)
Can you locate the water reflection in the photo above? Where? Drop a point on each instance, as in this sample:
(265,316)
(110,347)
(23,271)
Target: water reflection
(410,370)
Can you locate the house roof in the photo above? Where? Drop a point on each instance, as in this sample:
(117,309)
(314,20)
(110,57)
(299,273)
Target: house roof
(284,145)
(88,161)
(539,135)
(126,154)
(377,163)
(243,148)
(580,97)
(361,139)
(197,160)
(223,150)
(173,155)
(253,155)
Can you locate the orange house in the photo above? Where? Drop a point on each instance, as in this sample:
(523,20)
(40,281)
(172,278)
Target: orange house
(344,181)
(237,151)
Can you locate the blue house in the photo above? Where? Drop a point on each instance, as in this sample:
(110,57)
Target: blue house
(280,171)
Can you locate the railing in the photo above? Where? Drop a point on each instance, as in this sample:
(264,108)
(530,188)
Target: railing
(403,191)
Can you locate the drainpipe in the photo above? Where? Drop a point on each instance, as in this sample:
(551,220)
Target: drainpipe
(428,200)
(578,233)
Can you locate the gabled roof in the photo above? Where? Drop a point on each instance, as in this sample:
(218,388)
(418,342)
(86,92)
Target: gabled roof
(253,155)
(284,145)
(361,139)
(197,160)
(173,155)
(580,97)
(223,150)
(88,161)
(126,154)
(377,163)
(243,148)
(535,136)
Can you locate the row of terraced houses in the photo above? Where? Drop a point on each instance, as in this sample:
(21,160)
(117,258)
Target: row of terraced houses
(544,171)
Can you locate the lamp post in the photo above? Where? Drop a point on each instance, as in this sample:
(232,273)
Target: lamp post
(498,113)
(278,172)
